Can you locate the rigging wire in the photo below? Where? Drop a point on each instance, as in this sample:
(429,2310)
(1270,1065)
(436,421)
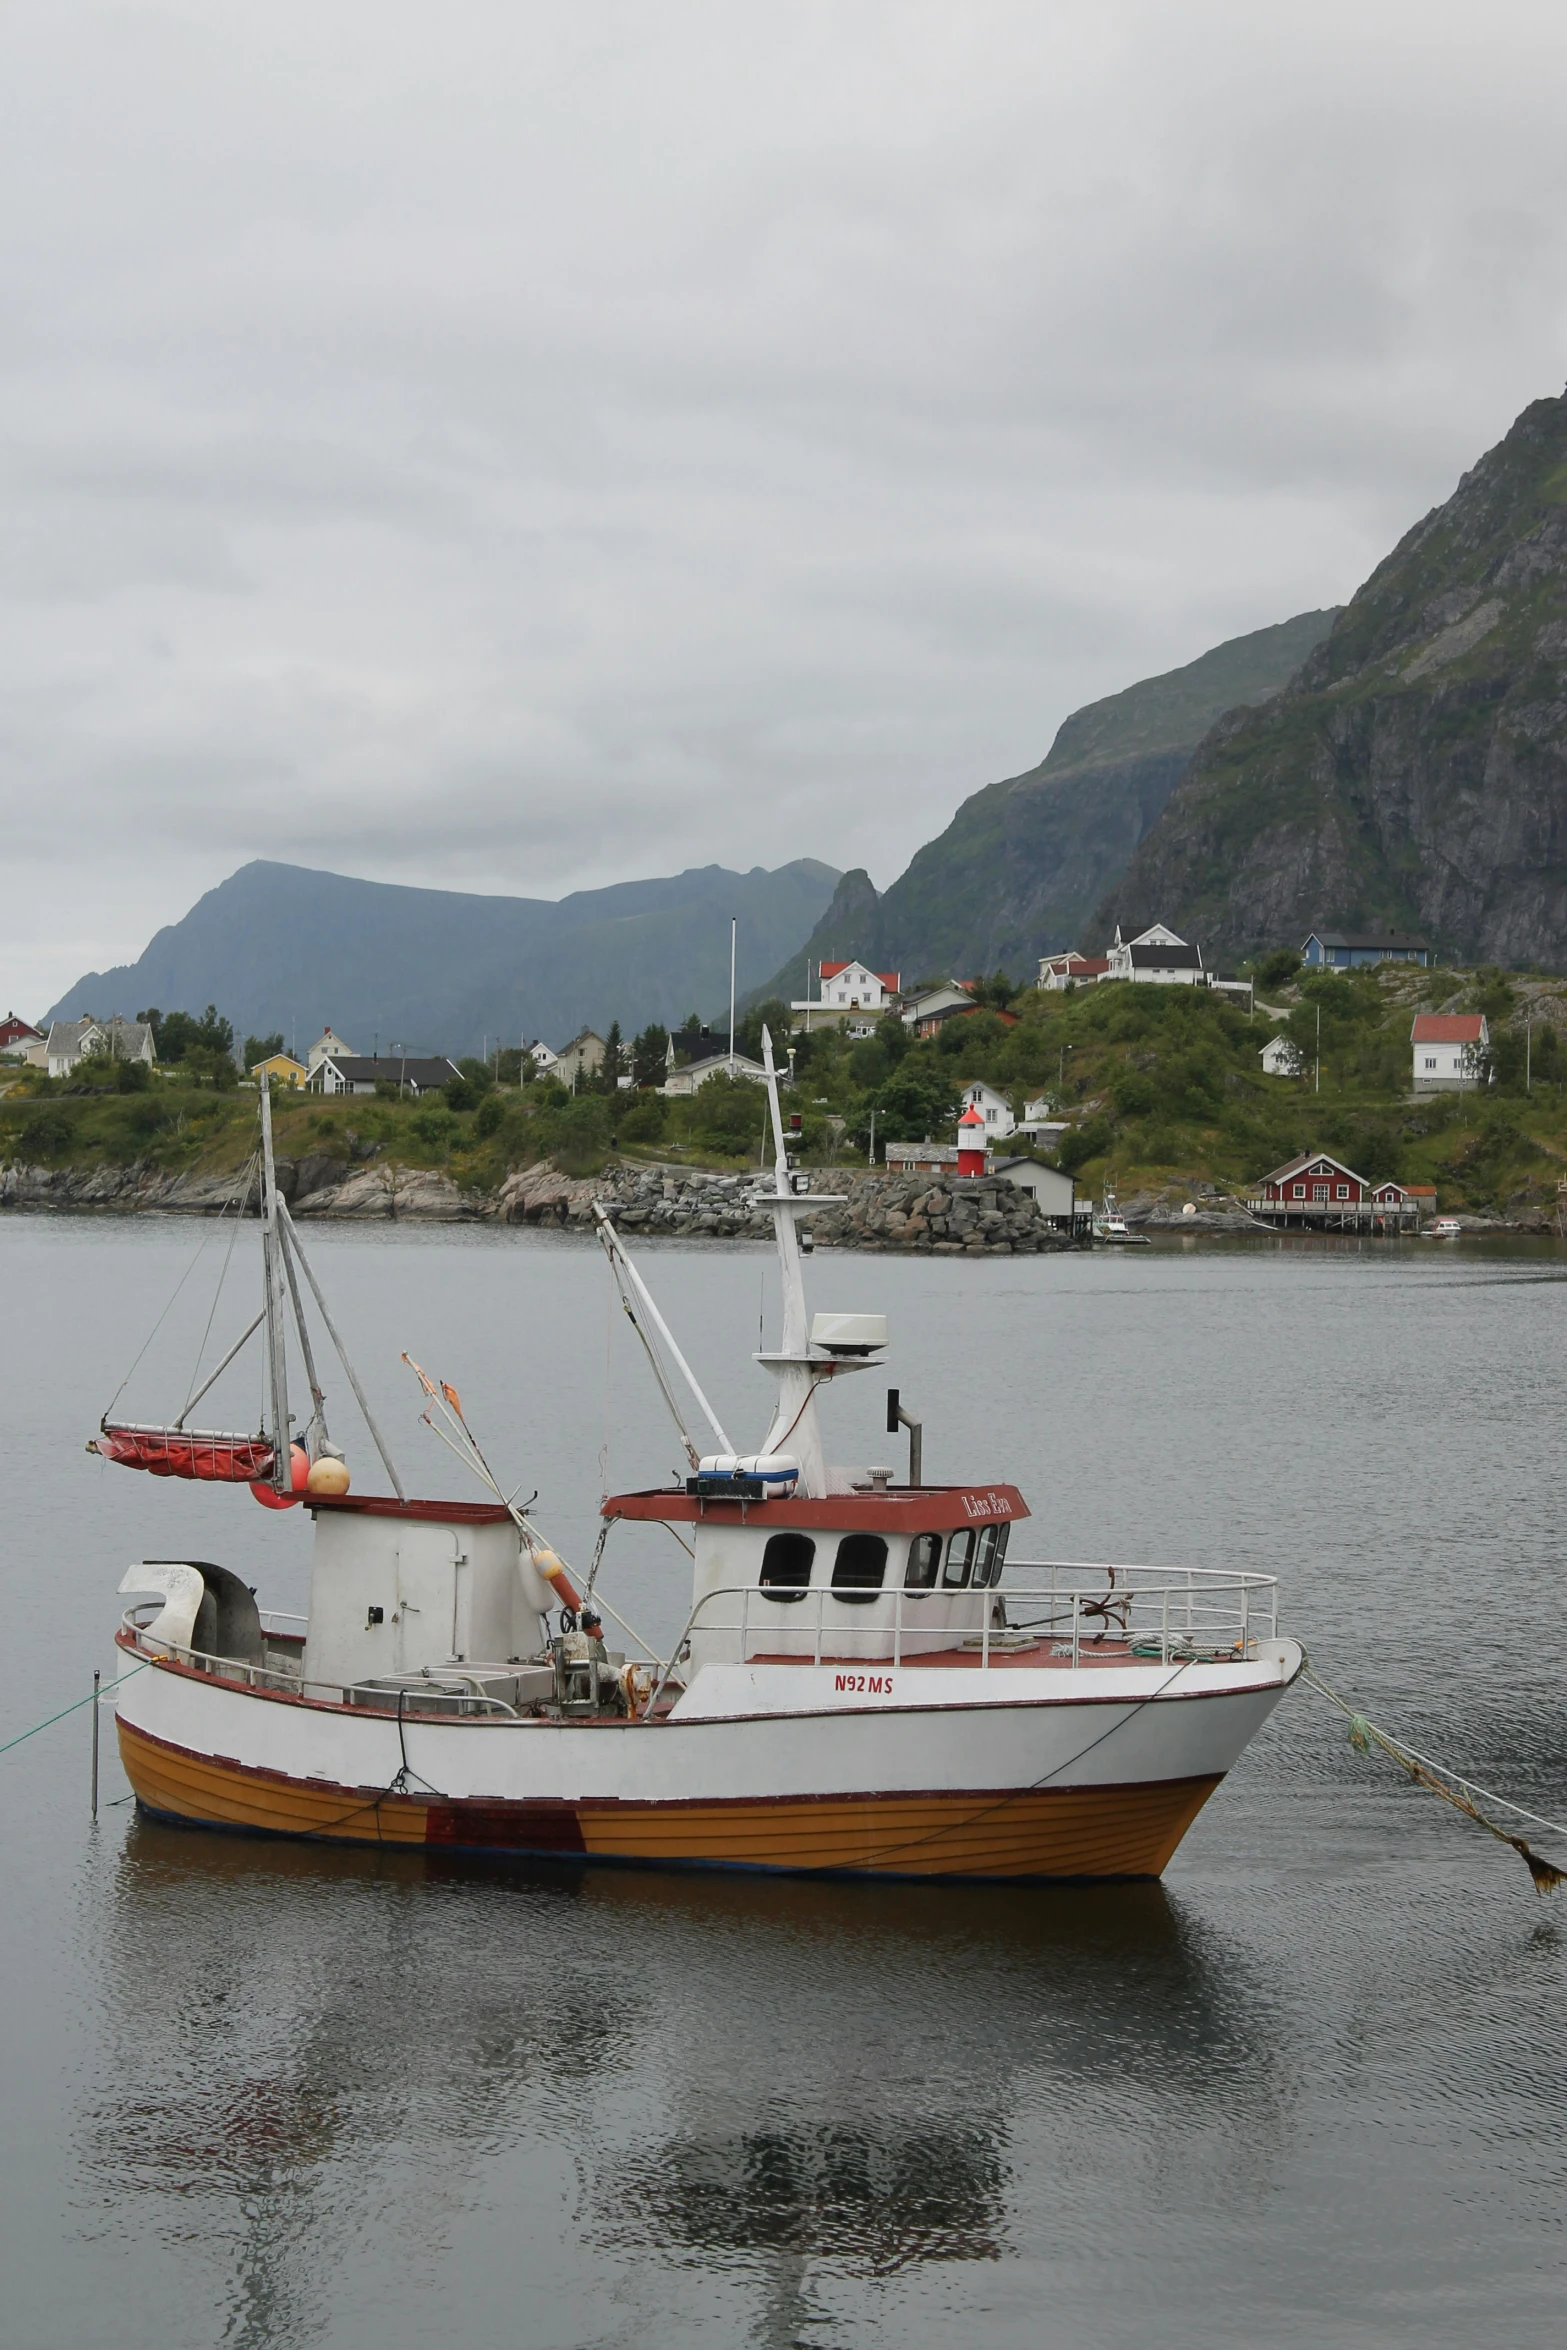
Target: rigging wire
(158,1325)
(190,1392)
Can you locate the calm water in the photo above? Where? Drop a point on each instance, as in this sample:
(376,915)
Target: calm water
(1308,2091)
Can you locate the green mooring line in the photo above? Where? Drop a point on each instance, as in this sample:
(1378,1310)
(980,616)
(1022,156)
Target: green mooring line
(74,1707)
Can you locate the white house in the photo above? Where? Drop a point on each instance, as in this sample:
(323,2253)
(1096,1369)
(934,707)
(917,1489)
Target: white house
(1450,1050)
(1055,1193)
(993,1107)
(1155,955)
(541,1056)
(1073,970)
(326,1043)
(924,1013)
(583,1057)
(850,996)
(1280,1057)
(695,1073)
(1041,1123)
(71,1041)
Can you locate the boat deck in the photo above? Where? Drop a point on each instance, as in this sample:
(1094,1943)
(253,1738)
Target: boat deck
(1037,1655)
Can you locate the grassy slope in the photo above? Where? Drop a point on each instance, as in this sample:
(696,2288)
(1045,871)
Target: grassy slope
(1163,1086)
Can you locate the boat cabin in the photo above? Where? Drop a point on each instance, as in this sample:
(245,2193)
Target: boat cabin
(886,1571)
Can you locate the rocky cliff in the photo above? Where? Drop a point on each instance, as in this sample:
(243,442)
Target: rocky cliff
(1024,862)
(1415,771)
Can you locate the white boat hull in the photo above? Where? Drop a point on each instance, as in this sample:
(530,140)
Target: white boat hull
(879,1770)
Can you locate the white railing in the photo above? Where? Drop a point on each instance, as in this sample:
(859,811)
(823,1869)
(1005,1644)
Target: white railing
(1067,1612)
(452,1686)
(1073,1611)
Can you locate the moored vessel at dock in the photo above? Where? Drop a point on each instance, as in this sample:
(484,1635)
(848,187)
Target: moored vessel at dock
(865,1681)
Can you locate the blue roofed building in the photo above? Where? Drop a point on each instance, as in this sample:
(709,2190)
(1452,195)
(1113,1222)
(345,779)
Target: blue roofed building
(1341,950)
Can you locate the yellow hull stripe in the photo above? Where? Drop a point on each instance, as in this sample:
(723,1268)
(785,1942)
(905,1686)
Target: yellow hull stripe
(1044,1832)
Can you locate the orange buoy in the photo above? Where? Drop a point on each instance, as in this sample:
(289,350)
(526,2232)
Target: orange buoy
(555,1575)
(298,1477)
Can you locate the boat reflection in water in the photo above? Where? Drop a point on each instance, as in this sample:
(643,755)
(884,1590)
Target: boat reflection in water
(323,2064)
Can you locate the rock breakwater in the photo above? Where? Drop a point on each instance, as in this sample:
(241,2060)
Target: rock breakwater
(874,1211)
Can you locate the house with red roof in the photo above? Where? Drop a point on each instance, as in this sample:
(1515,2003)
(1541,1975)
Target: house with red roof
(1314,1191)
(850,996)
(1451,1050)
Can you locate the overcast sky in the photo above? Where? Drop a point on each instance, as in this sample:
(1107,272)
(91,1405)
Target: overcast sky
(519,447)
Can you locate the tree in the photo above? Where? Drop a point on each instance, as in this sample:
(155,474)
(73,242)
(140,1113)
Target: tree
(1279,967)
(775,1016)
(177,1034)
(257,1048)
(648,1055)
(916,1100)
(613,1066)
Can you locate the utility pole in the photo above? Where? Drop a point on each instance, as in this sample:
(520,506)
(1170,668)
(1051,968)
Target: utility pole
(1528,1056)
(1319,1048)
(871,1161)
(732,929)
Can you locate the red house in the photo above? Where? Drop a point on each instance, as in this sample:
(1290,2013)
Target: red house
(1313,1181)
(16,1035)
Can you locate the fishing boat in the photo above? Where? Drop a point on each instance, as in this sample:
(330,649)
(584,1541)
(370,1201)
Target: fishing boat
(868,1681)
(1110,1226)
(1445,1228)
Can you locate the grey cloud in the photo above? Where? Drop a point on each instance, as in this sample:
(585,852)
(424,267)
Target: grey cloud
(527,447)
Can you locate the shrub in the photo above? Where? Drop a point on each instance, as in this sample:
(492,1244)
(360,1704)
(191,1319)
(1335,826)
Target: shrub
(435,1127)
(131,1077)
(492,1110)
(1089,1141)
(44,1135)
(575,1134)
(1279,967)
(645,1120)
(1134,1093)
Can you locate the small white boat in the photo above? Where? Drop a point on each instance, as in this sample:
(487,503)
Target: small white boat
(1111,1229)
(1445,1228)
(865,1683)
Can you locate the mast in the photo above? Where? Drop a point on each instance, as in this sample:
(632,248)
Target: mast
(272,1306)
(796,1367)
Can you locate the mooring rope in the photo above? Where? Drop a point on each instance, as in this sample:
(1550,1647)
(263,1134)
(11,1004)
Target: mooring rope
(74,1707)
(1461,1793)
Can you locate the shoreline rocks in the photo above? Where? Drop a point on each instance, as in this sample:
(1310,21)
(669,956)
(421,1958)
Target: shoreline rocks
(923,1213)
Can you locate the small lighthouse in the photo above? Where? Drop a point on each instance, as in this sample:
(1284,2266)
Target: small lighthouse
(971,1142)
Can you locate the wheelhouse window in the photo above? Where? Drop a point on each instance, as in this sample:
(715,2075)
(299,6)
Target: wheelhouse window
(786,1566)
(960,1558)
(990,1555)
(924,1563)
(859,1569)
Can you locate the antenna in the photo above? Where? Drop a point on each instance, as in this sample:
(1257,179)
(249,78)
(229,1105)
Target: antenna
(732,928)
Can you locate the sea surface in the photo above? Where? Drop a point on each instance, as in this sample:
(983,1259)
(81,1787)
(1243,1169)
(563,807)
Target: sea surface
(1307,2091)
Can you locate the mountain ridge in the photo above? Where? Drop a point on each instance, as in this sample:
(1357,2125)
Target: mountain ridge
(1414,773)
(290,947)
(1023,862)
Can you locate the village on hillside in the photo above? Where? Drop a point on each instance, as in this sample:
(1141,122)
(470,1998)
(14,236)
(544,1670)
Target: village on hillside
(1350,1082)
